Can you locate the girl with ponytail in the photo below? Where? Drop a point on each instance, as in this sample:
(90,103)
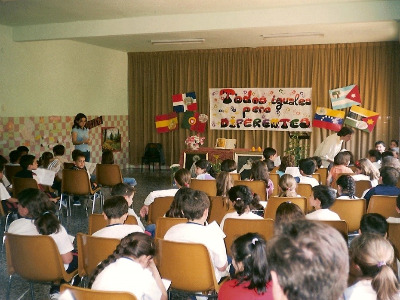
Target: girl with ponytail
(251,280)
(131,269)
(373,255)
(346,187)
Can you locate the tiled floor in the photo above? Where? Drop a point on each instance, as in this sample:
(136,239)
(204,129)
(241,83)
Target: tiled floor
(146,182)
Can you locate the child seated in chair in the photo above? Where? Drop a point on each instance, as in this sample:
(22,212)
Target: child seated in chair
(307,168)
(395,219)
(115,211)
(204,170)
(9,203)
(195,209)
(322,198)
(107,158)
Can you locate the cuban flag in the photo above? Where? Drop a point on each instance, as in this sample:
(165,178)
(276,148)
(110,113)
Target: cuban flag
(184,102)
(345,97)
(328,118)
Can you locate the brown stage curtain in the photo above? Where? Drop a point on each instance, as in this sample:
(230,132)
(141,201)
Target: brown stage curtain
(154,77)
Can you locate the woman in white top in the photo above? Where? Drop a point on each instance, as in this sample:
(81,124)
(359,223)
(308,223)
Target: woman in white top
(242,198)
(366,171)
(373,255)
(131,269)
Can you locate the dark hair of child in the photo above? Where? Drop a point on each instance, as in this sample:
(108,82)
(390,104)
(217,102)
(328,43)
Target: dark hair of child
(44,160)
(396,142)
(115,207)
(59,150)
(318,160)
(194,207)
(107,157)
(375,153)
(270,164)
(268,152)
(325,195)
(250,250)
(3,160)
(205,165)
(287,161)
(348,186)
(241,197)
(40,209)
(183,177)
(122,189)
(345,131)
(341,158)
(259,171)
(387,153)
(78,117)
(77,154)
(380,143)
(224,183)
(23,149)
(135,244)
(285,213)
(228,165)
(26,160)
(389,175)
(307,165)
(14,156)
(175,209)
(374,223)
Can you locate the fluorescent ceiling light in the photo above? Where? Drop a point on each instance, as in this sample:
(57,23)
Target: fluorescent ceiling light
(291,34)
(177,42)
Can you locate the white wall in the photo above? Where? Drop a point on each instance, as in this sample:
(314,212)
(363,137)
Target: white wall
(60,78)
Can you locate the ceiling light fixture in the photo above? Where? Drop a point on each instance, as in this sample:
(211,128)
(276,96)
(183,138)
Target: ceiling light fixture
(291,34)
(177,42)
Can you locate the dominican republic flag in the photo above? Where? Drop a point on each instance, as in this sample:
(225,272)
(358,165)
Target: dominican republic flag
(184,102)
(328,118)
(167,122)
(361,118)
(345,97)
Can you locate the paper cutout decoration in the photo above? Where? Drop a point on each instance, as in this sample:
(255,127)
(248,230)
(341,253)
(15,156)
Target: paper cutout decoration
(194,121)
(188,119)
(345,97)
(167,122)
(94,123)
(361,118)
(184,102)
(328,118)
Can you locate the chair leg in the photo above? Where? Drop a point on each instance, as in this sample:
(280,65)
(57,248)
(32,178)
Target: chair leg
(32,290)
(8,287)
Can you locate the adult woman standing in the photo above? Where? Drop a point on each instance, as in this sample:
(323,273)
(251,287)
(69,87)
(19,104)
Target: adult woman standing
(80,135)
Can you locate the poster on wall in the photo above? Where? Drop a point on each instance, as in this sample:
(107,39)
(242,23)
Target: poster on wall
(110,139)
(361,118)
(277,109)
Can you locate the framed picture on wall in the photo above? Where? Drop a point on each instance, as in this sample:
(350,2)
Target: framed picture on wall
(244,161)
(110,139)
(189,160)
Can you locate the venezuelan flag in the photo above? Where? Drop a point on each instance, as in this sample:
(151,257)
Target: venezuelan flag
(328,118)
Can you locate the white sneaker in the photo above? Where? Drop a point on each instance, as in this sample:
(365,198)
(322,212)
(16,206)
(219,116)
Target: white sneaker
(54,296)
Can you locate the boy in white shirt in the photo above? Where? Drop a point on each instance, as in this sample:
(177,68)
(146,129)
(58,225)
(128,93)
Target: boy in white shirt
(307,168)
(322,198)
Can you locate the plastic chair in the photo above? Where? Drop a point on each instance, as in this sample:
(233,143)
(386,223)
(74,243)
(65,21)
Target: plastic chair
(20,184)
(394,237)
(35,258)
(93,250)
(362,186)
(233,228)
(108,175)
(323,172)
(339,225)
(274,202)
(384,205)
(76,182)
(153,153)
(68,165)
(219,208)
(79,293)
(350,211)
(164,223)
(158,208)
(10,171)
(275,180)
(274,170)
(256,186)
(207,186)
(234,176)
(97,222)
(188,266)
(304,190)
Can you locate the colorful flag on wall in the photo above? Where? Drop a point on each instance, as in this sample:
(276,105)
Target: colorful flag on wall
(194,121)
(184,102)
(361,118)
(345,97)
(167,122)
(328,118)
(188,119)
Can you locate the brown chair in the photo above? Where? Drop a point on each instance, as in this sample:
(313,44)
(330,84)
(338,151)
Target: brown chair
(93,250)
(362,186)
(317,176)
(20,184)
(79,293)
(274,170)
(384,205)
(351,211)
(10,171)
(35,258)
(68,165)
(323,172)
(207,186)
(188,266)
(97,222)
(235,176)
(158,208)
(274,202)
(394,237)
(275,180)
(233,228)
(256,186)
(108,175)
(339,225)
(304,190)
(76,182)
(163,224)
(353,168)
(219,207)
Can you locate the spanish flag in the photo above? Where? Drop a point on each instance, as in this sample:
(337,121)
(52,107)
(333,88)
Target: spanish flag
(328,118)
(167,122)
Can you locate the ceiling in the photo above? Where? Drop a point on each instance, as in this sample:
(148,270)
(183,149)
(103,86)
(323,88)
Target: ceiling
(131,25)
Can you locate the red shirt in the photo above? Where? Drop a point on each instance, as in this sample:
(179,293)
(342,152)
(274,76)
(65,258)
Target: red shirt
(230,291)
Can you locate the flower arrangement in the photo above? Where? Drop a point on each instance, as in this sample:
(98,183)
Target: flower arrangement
(194,142)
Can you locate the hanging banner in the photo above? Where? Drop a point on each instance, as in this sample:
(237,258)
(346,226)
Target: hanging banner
(278,109)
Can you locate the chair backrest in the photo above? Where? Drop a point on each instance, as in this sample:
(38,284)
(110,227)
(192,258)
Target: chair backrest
(10,171)
(20,184)
(317,176)
(187,265)
(275,169)
(35,258)
(275,180)
(304,190)
(274,202)
(97,222)
(75,182)
(394,237)
(79,293)
(323,172)
(353,168)
(93,250)
(154,151)
(108,175)
(159,207)
(350,211)
(163,224)
(235,176)
(233,228)
(334,184)
(361,186)
(219,207)
(256,186)
(339,225)
(384,205)
(207,186)
(68,165)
